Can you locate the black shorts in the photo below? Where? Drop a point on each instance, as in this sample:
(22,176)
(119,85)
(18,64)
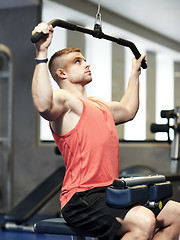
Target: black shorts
(88,212)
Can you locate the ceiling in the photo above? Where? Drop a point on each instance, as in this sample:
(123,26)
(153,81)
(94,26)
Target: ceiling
(162,16)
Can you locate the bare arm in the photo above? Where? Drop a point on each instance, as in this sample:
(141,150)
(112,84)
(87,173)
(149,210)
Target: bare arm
(50,105)
(126,109)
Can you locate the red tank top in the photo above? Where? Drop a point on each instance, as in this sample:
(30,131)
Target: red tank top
(90,151)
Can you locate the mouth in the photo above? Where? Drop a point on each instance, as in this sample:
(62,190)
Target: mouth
(88,72)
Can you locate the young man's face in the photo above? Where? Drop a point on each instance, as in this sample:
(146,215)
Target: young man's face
(77,69)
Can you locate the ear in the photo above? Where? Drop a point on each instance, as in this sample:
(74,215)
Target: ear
(61,73)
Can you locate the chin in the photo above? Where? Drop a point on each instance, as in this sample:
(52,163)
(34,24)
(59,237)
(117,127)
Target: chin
(88,81)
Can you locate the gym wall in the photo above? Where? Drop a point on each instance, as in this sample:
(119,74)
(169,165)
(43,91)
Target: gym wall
(31,163)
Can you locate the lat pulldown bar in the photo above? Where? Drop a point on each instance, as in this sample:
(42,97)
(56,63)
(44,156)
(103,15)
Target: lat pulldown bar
(97,33)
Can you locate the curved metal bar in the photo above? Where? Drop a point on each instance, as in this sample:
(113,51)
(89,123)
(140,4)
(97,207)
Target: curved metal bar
(97,33)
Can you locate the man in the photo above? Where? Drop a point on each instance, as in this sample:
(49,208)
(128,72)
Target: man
(84,130)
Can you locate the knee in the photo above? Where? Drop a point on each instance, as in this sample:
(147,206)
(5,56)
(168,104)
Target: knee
(146,227)
(173,209)
(142,222)
(173,206)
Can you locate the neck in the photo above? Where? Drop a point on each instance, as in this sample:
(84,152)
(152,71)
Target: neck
(76,90)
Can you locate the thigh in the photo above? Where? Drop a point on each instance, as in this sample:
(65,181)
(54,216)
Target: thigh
(139,221)
(96,199)
(140,215)
(80,214)
(88,211)
(169,214)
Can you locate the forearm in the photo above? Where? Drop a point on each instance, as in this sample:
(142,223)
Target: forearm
(41,86)
(126,109)
(130,98)
(42,92)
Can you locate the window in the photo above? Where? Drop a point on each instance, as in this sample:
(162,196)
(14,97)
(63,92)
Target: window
(101,66)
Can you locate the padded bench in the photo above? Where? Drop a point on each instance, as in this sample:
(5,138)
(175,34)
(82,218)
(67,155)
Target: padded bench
(124,193)
(59,226)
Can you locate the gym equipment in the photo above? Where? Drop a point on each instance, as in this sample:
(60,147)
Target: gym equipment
(16,219)
(120,195)
(147,190)
(133,181)
(137,170)
(97,33)
(127,196)
(59,226)
(168,114)
(6,119)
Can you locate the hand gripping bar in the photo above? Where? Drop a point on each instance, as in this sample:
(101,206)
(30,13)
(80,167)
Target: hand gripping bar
(97,33)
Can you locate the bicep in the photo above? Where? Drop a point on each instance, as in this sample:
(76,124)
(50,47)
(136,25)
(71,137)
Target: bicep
(58,106)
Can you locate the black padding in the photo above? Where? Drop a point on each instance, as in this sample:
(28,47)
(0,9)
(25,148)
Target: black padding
(128,196)
(37,198)
(57,226)
(160,191)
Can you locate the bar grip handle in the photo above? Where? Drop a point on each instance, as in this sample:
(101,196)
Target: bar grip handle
(97,33)
(159,128)
(168,114)
(37,36)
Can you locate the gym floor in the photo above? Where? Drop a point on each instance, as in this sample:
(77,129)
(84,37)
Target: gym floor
(15,235)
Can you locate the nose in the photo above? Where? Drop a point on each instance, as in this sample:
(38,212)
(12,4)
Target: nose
(87,65)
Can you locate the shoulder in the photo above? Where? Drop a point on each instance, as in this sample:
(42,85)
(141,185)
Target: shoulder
(70,102)
(63,95)
(96,99)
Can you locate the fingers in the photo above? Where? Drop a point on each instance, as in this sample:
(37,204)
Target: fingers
(45,41)
(136,64)
(139,60)
(43,27)
(143,57)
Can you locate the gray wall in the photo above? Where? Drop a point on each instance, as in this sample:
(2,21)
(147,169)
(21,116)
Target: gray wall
(31,162)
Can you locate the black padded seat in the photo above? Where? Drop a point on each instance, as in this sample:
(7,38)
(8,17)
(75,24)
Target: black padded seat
(58,226)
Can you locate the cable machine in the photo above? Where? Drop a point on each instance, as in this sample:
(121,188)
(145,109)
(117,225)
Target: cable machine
(155,128)
(96,32)
(6,112)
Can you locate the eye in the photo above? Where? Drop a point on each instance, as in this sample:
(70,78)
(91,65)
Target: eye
(77,61)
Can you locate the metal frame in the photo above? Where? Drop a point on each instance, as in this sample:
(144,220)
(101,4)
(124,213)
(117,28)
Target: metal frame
(175,115)
(175,142)
(6,142)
